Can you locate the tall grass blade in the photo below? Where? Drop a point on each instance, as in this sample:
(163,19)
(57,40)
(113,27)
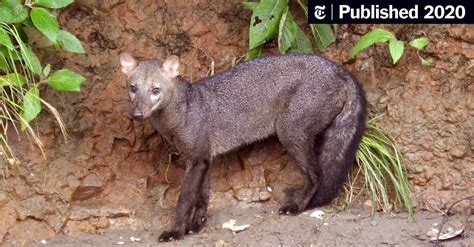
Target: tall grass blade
(381,164)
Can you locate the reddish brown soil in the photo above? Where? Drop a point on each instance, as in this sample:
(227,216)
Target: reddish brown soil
(115,174)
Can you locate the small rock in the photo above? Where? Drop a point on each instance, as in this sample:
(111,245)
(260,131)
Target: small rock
(29,230)
(447,184)
(7,219)
(4,198)
(92,179)
(427,156)
(432,233)
(43,241)
(158,194)
(35,206)
(252,194)
(418,169)
(373,223)
(231,225)
(73,182)
(221,243)
(456,153)
(135,239)
(429,173)
(318,214)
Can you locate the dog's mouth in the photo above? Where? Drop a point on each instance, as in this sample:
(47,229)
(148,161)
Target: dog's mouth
(140,115)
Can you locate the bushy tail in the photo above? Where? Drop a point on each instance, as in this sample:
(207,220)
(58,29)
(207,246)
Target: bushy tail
(336,147)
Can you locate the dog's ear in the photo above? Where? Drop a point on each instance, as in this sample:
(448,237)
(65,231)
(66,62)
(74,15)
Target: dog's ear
(128,63)
(171,67)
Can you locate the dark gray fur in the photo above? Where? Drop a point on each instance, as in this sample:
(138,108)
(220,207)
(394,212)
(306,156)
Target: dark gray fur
(315,108)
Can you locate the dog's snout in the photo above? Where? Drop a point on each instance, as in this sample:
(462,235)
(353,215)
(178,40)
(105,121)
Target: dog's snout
(138,115)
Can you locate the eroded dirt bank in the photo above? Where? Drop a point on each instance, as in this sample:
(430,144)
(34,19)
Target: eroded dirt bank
(114,173)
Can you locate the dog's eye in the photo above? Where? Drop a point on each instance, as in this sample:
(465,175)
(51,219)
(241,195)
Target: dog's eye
(155,91)
(133,89)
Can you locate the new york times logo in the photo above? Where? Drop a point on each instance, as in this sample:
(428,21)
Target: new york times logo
(319,12)
(383,11)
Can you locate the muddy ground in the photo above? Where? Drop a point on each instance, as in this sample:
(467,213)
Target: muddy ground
(114,174)
(267,228)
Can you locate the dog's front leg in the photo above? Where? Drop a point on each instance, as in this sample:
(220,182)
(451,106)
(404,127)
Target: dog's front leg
(193,178)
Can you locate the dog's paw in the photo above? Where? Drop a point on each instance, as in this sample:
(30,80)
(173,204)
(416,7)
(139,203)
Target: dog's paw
(168,236)
(289,209)
(196,226)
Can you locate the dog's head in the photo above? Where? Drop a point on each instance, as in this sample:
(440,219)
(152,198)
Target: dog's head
(150,83)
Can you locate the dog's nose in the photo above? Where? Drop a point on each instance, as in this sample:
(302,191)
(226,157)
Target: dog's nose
(138,115)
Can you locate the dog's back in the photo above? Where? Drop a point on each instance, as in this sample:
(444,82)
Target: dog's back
(243,103)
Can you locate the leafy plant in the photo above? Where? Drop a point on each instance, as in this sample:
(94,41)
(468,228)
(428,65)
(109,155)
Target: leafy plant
(380,162)
(21,72)
(396,47)
(272,19)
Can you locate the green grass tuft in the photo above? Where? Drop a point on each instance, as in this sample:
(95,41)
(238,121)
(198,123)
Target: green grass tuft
(381,164)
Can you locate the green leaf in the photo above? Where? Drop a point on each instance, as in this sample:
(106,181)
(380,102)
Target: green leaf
(66,80)
(396,49)
(3,63)
(322,33)
(264,21)
(31,60)
(31,105)
(250,5)
(305,9)
(34,36)
(5,39)
(46,23)
(12,11)
(254,53)
(12,79)
(69,42)
(27,22)
(53,4)
(10,54)
(427,62)
(370,38)
(46,70)
(287,31)
(301,43)
(419,43)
